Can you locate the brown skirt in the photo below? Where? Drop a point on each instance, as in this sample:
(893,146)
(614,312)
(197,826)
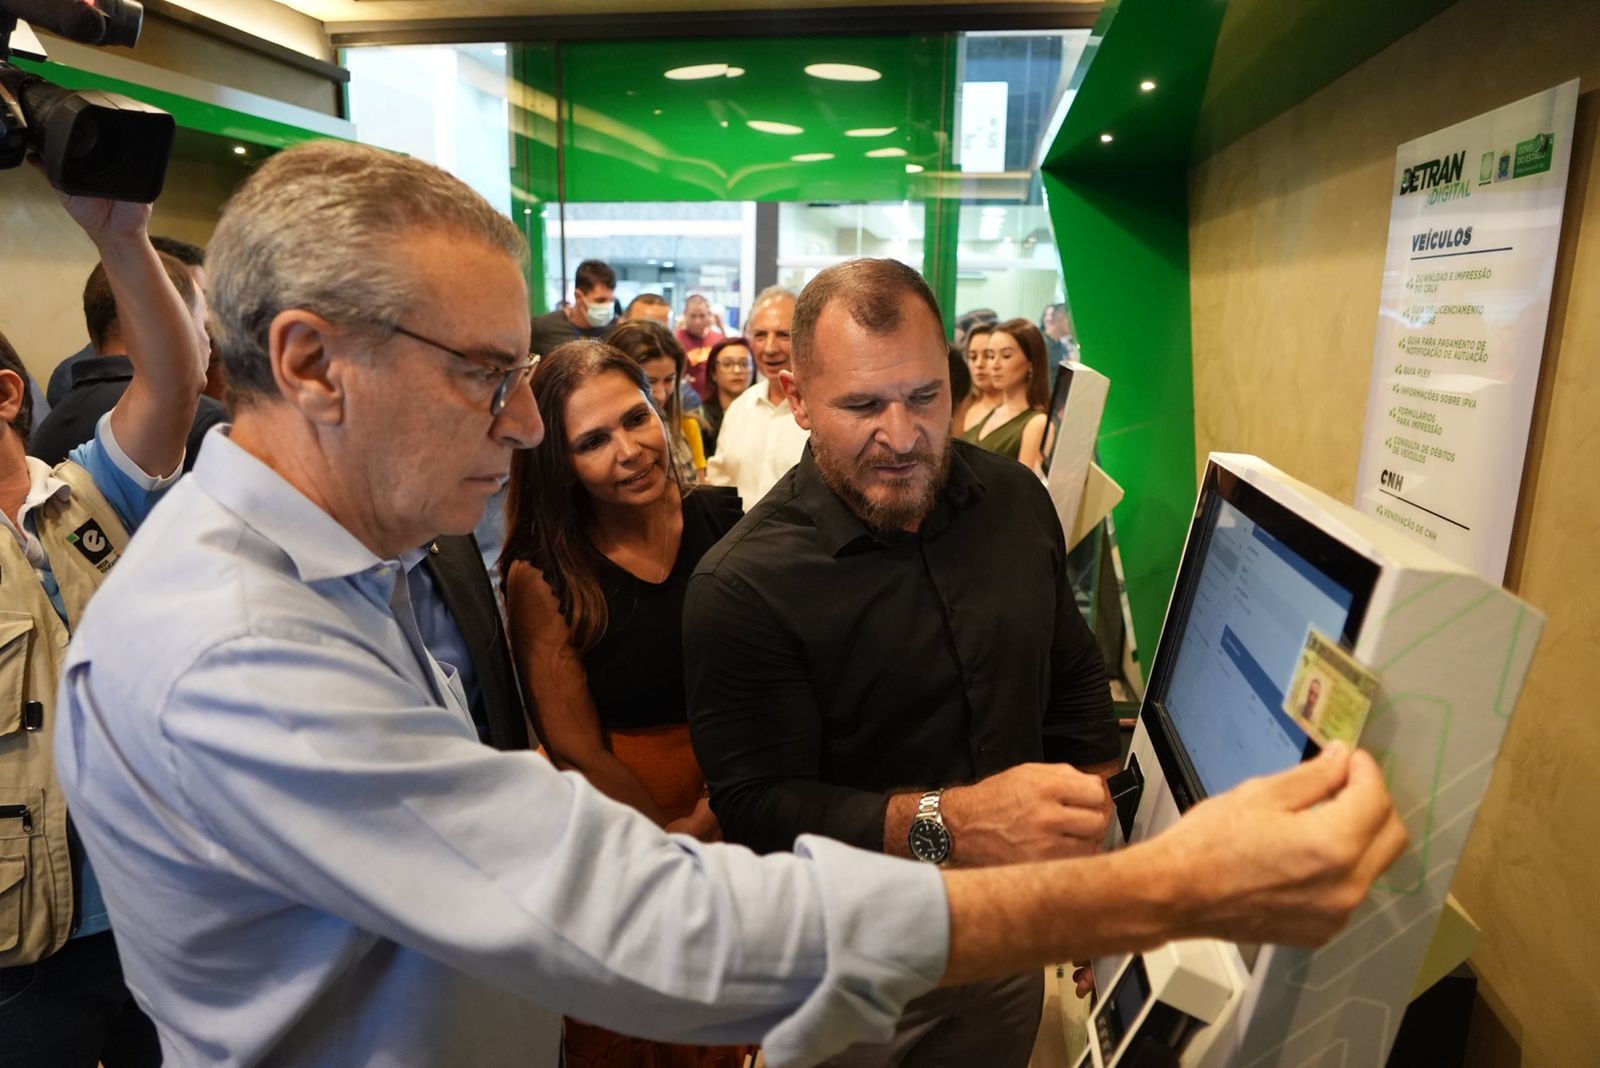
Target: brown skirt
(664,762)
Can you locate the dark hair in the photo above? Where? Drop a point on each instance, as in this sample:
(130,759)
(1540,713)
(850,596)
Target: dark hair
(649,300)
(1032,341)
(100,307)
(185,253)
(593,273)
(646,339)
(960,375)
(979,328)
(874,293)
(22,423)
(716,350)
(547,510)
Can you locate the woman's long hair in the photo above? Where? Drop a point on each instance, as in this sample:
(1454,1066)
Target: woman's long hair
(548,512)
(1032,341)
(645,339)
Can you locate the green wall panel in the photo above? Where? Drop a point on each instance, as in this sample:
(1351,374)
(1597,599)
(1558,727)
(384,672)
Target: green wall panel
(189,113)
(1125,261)
(630,133)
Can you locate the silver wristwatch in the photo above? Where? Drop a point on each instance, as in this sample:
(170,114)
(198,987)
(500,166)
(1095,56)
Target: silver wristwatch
(929,838)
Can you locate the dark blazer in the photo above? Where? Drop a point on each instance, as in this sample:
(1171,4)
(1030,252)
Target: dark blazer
(458,572)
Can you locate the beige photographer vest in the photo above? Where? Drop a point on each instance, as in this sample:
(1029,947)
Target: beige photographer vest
(83,537)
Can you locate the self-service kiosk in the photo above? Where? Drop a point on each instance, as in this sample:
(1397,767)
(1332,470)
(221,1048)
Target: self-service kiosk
(1267,558)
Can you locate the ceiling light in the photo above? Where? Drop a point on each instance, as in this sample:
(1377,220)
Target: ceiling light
(666,264)
(527,211)
(735,72)
(239,150)
(724,124)
(843,72)
(872,131)
(914,168)
(651,262)
(1147,86)
(1105,139)
(658,111)
(886,153)
(763,126)
(498,50)
(698,72)
(811,157)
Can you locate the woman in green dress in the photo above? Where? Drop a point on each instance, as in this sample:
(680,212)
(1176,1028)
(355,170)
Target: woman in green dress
(1020,374)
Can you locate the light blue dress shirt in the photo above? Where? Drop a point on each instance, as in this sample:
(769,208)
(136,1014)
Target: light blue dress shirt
(310,859)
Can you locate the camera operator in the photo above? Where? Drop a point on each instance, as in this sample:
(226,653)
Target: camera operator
(63,1003)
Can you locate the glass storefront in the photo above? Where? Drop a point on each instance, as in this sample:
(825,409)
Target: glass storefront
(720,166)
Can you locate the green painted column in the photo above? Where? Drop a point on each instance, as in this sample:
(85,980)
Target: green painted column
(1125,260)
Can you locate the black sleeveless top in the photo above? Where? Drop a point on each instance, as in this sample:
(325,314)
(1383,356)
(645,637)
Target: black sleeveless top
(636,669)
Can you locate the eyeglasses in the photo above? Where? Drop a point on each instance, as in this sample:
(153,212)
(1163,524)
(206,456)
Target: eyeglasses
(510,377)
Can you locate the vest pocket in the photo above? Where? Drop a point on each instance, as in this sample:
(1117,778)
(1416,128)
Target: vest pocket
(15,630)
(13,874)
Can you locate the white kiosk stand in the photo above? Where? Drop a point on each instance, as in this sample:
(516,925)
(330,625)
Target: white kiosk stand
(1082,493)
(1266,558)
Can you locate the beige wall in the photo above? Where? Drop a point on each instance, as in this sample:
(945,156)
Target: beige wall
(46,258)
(1288,231)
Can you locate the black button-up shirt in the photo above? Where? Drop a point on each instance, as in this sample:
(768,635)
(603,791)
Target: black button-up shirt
(829,665)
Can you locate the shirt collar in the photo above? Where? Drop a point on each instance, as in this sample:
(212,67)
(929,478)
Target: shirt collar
(842,530)
(101,369)
(318,546)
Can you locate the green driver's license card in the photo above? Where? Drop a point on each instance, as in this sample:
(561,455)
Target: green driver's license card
(1331,693)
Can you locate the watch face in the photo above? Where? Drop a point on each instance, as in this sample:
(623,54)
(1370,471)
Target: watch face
(929,841)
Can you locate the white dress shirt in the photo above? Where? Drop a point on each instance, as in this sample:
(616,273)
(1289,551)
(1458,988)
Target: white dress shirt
(310,859)
(758,442)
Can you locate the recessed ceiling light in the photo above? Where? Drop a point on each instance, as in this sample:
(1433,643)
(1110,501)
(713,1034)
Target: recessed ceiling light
(872,131)
(763,126)
(735,72)
(1105,139)
(658,111)
(651,262)
(843,72)
(527,211)
(723,124)
(914,168)
(1147,86)
(498,50)
(239,150)
(811,157)
(886,153)
(698,72)
(666,264)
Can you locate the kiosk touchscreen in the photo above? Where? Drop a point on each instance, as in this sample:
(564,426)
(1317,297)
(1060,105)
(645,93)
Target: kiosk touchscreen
(1268,558)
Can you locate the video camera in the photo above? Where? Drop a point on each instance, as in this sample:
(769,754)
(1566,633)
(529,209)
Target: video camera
(91,143)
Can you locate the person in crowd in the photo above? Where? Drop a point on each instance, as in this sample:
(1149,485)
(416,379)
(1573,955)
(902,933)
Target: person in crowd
(960,388)
(1019,373)
(702,329)
(1060,340)
(967,321)
(603,538)
(99,380)
(896,612)
(191,256)
(649,306)
(63,1001)
(593,307)
(732,369)
(759,440)
(657,352)
(984,398)
(332,869)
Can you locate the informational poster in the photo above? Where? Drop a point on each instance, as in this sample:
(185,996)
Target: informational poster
(1473,231)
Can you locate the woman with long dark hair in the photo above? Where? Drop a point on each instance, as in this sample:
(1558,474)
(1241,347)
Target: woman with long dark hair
(658,353)
(1019,373)
(601,540)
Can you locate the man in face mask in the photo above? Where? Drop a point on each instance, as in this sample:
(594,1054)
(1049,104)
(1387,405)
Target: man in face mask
(590,313)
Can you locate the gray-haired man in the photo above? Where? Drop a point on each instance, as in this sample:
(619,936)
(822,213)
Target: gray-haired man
(308,856)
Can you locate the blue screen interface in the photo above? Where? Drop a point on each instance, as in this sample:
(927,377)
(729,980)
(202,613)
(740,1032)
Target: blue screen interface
(1253,603)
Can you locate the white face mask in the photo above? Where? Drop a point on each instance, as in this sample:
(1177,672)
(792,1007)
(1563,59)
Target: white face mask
(599,314)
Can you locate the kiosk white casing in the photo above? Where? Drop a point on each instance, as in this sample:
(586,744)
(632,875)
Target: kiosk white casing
(1451,651)
(1071,451)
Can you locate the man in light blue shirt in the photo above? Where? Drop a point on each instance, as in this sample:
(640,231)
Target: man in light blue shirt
(308,856)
